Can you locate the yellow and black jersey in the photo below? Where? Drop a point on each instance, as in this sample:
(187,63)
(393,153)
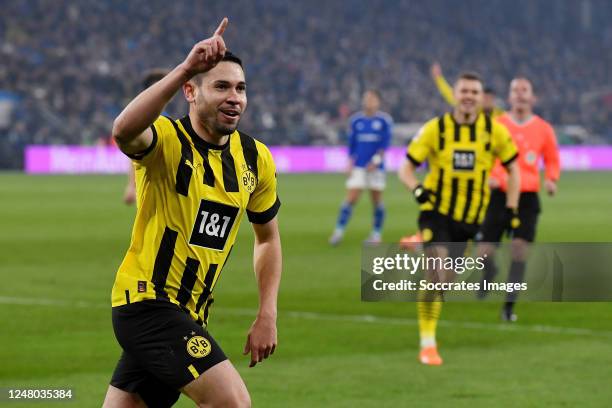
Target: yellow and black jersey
(192,196)
(460,158)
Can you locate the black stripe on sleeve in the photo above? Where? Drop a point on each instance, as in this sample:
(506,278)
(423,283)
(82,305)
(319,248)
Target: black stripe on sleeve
(438,191)
(468,199)
(453,197)
(127,296)
(413,160)
(188,281)
(510,160)
(208,281)
(265,216)
(483,179)
(184,171)
(488,124)
(230,180)
(163,259)
(141,155)
(249,150)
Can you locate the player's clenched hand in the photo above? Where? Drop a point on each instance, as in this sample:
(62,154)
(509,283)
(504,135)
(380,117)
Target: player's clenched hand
(421,194)
(261,340)
(435,70)
(207,53)
(512,221)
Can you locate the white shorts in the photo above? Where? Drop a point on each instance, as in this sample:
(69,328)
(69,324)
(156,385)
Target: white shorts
(362,179)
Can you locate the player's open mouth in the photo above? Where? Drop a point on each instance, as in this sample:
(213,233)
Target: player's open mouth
(230,113)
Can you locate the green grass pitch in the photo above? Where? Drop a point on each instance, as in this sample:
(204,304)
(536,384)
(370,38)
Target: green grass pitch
(64,236)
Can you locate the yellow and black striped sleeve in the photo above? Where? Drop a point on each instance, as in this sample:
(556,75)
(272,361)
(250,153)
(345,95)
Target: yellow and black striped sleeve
(502,144)
(423,144)
(162,129)
(264,203)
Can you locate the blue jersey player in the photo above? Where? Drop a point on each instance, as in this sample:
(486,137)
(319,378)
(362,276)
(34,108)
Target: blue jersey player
(369,137)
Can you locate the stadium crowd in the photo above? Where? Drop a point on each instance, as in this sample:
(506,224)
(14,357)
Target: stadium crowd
(71,66)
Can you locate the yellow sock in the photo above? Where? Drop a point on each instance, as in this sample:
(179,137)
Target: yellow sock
(429,307)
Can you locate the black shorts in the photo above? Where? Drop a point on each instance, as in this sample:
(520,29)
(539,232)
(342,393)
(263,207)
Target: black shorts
(436,227)
(493,227)
(164,349)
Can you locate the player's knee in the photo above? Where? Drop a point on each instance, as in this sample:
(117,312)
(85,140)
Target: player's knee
(242,399)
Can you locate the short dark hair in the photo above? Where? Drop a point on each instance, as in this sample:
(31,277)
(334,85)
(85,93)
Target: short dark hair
(489,90)
(470,76)
(152,76)
(229,57)
(524,78)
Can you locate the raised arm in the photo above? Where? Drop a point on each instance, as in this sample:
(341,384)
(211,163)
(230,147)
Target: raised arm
(131,128)
(445,89)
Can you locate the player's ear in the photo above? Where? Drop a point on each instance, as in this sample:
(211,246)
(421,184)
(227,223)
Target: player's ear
(189,90)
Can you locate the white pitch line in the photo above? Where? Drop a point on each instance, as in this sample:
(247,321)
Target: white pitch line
(7,300)
(371,319)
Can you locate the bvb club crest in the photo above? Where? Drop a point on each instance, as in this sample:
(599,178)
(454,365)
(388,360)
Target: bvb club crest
(249,180)
(198,347)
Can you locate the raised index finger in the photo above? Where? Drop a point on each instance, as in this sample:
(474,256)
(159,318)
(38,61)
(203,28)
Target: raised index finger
(221,29)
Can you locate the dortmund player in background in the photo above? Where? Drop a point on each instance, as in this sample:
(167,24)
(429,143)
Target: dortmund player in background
(488,100)
(196,177)
(536,141)
(370,133)
(460,148)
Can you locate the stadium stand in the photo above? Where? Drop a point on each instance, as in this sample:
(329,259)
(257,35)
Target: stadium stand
(68,68)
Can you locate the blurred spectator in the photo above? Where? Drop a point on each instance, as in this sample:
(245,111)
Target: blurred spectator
(73,65)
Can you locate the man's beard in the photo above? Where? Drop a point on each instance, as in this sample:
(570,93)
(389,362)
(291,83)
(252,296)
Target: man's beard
(221,129)
(210,120)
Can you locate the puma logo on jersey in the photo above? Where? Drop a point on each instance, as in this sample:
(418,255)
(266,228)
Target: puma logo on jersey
(194,168)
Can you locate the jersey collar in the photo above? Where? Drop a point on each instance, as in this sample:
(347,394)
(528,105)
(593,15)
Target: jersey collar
(521,123)
(197,140)
(471,124)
